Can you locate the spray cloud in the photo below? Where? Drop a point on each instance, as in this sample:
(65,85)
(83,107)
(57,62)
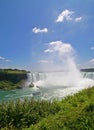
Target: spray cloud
(65,55)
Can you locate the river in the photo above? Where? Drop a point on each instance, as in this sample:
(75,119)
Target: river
(49,86)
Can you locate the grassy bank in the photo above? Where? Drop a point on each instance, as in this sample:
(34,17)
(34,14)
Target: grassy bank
(13,71)
(72,113)
(12,79)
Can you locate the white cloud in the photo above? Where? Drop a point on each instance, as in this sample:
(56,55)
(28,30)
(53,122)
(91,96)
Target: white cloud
(92,48)
(88,64)
(60,47)
(43,61)
(8,60)
(91,61)
(46,62)
(65,15)
(48,50)
(4,59)
(38,30)
(78,19)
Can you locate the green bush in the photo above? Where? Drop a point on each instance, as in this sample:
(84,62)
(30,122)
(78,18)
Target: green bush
(72,113)
(77,113)
(24,113)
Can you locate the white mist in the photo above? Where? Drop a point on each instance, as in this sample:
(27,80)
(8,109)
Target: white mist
(65,82)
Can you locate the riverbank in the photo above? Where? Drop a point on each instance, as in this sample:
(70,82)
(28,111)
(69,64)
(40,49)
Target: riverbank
(12,78)
(73,112)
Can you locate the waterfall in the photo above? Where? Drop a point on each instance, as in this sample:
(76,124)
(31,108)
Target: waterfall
(60,83)
(55,78)
(89,75)
(37,76)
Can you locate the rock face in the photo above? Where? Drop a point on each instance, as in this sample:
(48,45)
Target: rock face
(31,85)
(12,79)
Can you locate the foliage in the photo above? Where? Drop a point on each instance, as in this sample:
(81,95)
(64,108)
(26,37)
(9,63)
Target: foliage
(14,71)
(7,85)
(24,113)
(88,70)
(76,113)
(72,113)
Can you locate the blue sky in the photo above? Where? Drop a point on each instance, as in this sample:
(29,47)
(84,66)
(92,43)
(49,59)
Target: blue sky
(27,26)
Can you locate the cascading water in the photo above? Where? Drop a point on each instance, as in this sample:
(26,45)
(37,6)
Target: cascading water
(53,83)
(60,78)
(89,75)
(58,84)
(49,85)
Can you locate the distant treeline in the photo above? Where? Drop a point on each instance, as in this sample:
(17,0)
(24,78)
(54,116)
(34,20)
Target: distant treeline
(88,70)
(12,71)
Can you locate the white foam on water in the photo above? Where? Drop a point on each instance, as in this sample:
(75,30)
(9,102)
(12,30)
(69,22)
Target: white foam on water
(69,81)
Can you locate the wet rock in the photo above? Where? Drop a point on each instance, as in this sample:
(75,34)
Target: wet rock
(36,93)
(31,85)
(37,86)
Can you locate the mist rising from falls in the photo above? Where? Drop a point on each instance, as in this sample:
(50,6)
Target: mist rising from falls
(50,85)
(71,76)
(54,83)
(61,79)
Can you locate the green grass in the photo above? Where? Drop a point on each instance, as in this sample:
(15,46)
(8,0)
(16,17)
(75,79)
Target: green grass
(24,113)
(8,85)
(13,71)
(76,113)
(72,113)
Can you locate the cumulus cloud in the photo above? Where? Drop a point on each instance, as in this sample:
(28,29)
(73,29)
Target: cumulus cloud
(60,47)
(92,48)
(65,15)
(91,61)
(78,19)
(38,30)
(88,64)
(48,50)
(4,59)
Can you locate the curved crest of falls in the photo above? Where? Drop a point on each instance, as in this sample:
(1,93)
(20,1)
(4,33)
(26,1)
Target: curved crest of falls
(50,85)
(56,84)
(59,84)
